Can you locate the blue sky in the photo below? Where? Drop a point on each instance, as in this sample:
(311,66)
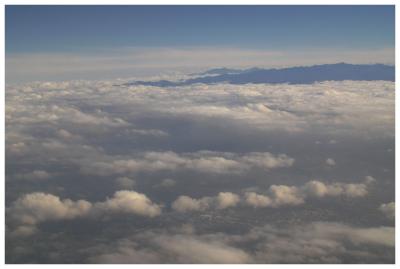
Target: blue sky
(54,40)
(66,28)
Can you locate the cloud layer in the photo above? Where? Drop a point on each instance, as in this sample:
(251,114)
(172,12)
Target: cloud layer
(277,196)
(319,242)
(97,172)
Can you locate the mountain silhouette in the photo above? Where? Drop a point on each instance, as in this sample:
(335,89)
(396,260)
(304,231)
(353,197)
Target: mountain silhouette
(291,75)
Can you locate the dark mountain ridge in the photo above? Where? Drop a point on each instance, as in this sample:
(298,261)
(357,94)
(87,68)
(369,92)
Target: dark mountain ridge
(290,75)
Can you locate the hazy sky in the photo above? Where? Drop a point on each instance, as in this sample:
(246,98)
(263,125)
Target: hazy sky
(60,42)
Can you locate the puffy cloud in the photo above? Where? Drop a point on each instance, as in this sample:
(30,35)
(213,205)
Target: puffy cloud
(185,203)
(318,189)
(276,196)
(24,231)
(257,200)
(34,208)
(166,183)
(67,135)
(37,207)
(129,202)
(222,201)
(330,162)
(369,180)
(227,199)
(201,161)
(285,195)
(279,195)
(389,210)
(34,175)
(267,160)
(125,182)
(151,132)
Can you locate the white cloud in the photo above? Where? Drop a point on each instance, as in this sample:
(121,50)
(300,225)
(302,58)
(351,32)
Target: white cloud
(280,195)
(34,175)
(389,210)
(34,208)
(166,183)
(267,160)
(257,200)
(227,199)
(74,125)
(222,201)
(201,161)
(345,107)
(370,180)
(330,162)
(125,182)
(316,242)
(318,189)
(128,202)
(37,207)
(185,203)
(24,231)
(276,196)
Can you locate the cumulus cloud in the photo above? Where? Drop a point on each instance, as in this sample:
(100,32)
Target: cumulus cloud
(330,162)
(34,208)
(201,161)
(185,203)
(222,201)
(125,182)
(227,199)
(166,183)
(279,195)
(318,189)
(129,202)
(389,210)
(37,207)
(24,231)
(276,196)
(34,175)
(257,200)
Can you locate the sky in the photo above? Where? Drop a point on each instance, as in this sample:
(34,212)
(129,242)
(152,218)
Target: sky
(66,38)
(74,28)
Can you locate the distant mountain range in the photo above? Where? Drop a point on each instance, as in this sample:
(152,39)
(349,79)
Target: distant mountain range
(291,75)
